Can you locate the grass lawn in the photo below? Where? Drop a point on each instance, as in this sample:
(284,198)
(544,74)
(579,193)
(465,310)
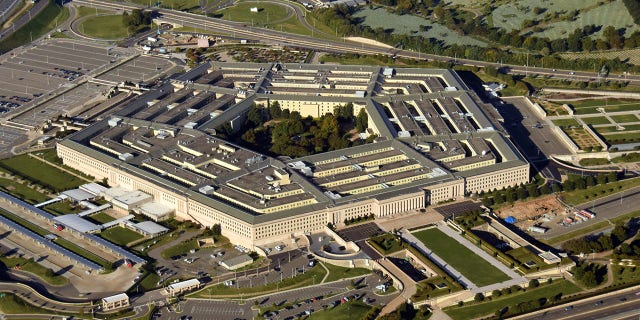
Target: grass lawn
(181,5)
(593,161)
(625,118)
(83,252)
(268,13)
(621,138)
(120,236)
(308,278)
(87,11)
(524,255)
(476,269)
(104,27)
(35,268)
(12,304)
(180,248)
(150,281)
(625,274)
(22,191)
(23,222)
(337,272)
(386,243)
(346,311)
(490,307)
(565,122)
(37,171)
(43,22)
(595,120)
(101,218)
(587,195)
(61,208)
(610,105)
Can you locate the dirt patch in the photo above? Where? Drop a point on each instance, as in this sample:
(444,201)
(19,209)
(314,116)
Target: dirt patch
(527,212)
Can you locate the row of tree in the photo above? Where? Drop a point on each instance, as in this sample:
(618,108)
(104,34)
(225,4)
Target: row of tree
(598,243)
(524,191)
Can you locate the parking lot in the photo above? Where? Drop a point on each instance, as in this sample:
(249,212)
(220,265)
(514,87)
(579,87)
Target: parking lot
(69,103)
(360,232)
(10,137)
(448,211)
(141,68)
(31,73)
(532,135)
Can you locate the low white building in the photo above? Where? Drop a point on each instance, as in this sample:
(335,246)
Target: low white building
(115,302)
(182,287)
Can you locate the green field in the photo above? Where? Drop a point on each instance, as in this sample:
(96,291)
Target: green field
(621,138)
(181,5)
(625,118)
(410,25)
(61,207)
(476,269)
(12,304)
(578,196)
(610,105)
(42,23)
(22,191)
(268,13)
(38,171)
(35,268)
(23,222)
(346,311)
(104,27)
(566,122)
(490,307)
(595,120)
(120,236)
(101,218)
(83,252)
(87,11)
(180,248)
(386,243)
(511,14)
(610,129)
(338,273)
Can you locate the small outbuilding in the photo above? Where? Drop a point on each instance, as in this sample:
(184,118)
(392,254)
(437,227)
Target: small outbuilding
(237,262)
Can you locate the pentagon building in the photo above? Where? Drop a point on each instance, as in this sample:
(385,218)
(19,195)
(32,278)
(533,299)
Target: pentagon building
(434,144)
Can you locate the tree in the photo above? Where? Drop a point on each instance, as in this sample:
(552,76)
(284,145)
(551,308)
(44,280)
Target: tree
(479,297)
(274,110)
(612,177)
(534,283)
(362,120)
(216,229)
(254,116)
(544,189)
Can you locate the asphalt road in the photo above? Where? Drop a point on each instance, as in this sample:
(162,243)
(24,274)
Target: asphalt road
(605,208)
(604,308)
(18,23)
(241,30)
